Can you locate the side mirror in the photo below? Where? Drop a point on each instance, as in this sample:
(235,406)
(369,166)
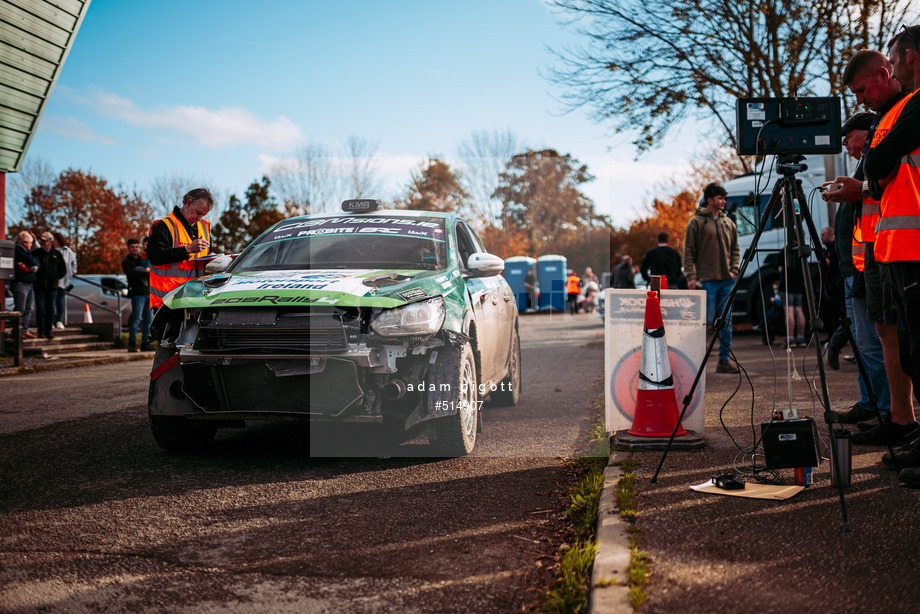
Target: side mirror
(482,264)
(218,264)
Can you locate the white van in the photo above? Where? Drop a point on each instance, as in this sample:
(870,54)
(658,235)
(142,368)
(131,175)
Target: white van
(747,197)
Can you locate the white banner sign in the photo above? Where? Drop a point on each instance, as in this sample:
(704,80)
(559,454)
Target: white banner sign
(684,315)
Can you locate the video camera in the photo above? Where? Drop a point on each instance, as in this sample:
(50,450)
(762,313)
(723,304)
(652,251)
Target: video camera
(777,126)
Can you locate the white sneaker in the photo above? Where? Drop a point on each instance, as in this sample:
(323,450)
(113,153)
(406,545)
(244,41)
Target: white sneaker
(59,325)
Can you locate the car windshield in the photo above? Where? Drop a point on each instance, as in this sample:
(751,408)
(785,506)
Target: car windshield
(349,242)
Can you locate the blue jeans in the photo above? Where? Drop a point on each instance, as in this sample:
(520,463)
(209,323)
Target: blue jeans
(59,305)
(140,310)
(24,302)
(44,309)
(716,294)
(870,350)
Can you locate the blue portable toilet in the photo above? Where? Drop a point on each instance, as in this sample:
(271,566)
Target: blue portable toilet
(551,270)
(516,269)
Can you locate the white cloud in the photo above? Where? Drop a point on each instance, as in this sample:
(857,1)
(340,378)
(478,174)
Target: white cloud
(216,128)
(72,129)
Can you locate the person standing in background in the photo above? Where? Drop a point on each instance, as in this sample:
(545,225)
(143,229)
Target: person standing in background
(663,260)
(26,266)
(572,291)
(711,260)
(70,264)
(138,274)
(50,269)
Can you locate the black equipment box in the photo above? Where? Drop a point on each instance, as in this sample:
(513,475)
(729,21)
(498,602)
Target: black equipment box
(788,444)
(766,126)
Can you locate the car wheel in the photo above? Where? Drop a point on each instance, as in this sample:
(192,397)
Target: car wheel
(454,387)
(179,434)
(509,391)
(173,433)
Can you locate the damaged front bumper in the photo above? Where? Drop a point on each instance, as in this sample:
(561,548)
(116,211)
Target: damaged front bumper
(356,381)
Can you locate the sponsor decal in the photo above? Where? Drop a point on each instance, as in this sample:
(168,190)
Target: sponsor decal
(428,228)
(413,294)
(274,300)
(335,281)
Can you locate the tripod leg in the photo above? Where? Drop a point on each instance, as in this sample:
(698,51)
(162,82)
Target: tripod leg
(796,231)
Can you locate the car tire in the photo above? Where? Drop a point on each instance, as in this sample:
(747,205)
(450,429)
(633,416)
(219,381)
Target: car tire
(174,433)
(509,391)
(179,434)
(454,383)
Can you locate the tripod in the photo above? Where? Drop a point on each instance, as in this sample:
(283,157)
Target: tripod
(787,194)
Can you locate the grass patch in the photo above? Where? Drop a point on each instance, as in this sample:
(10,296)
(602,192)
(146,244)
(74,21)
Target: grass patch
(627,501)
(570,589)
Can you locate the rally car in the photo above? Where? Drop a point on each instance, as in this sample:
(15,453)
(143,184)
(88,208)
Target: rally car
(396,317)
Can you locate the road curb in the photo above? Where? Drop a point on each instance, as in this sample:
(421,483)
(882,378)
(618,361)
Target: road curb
(71,362)
(609,591)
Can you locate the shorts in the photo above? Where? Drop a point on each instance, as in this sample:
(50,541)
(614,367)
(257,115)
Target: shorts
(879,294)
(793,299)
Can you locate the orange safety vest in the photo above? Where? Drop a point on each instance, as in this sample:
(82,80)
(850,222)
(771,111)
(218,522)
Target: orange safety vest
(571,285)
(864,231)
(859,249)
(167,277)
(897,235)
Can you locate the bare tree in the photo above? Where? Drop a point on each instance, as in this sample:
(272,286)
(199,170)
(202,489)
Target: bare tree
(307,181)
(362,179)
(645,67)
(33,173)
(166,191)
(485,156)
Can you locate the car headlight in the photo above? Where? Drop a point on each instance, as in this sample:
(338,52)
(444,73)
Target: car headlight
(422,318)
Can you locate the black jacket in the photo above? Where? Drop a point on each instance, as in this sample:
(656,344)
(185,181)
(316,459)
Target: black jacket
(51,268)
(662,260)
(24,262)
(159,248)
(138,277)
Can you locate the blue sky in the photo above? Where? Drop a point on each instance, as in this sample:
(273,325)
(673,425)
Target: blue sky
(219,89)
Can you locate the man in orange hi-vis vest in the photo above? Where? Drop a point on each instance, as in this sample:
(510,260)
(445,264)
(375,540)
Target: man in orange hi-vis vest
(870,76)
(855,135)
(176,244)
(894,166)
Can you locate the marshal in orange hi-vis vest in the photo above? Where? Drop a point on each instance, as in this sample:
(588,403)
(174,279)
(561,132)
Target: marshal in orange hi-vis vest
(165,278)
(571,284)
(897,237)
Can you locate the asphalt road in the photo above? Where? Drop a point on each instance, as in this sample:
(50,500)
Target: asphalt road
(95,517)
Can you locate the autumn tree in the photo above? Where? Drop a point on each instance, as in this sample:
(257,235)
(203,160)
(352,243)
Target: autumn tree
(541,193)
(96,218)
(434,186)
(645,67)
(244,221)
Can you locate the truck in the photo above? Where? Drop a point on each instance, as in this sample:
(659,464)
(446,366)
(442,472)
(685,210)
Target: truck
(747,197)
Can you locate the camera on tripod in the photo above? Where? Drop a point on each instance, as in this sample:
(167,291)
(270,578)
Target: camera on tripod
(768,126)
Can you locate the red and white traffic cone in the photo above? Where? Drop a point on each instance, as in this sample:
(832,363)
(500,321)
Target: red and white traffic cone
(656,400)
(87,314)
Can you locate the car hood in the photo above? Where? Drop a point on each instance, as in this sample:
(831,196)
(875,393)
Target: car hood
(348,288)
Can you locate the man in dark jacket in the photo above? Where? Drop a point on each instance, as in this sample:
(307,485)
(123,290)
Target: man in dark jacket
(51,268)
(662,260)
(137,270)
(23,282)
(623,274)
